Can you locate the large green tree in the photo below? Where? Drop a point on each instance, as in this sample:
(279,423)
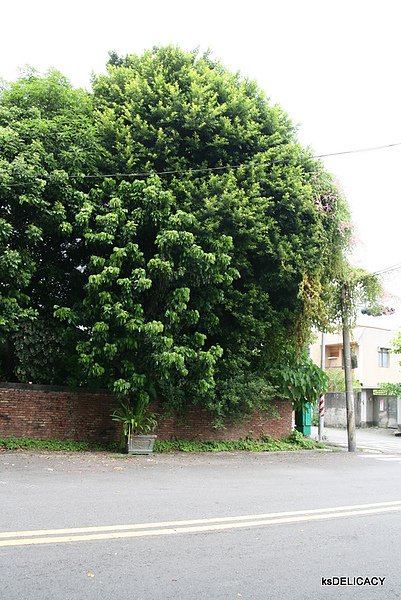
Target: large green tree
(232,161)
(46,142)
(192,262)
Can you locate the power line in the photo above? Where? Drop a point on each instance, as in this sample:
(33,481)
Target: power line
(388,270)
(369,149)
(238,166)
(219,168)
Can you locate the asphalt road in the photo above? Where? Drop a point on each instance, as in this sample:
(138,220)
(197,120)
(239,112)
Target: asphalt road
(208,526)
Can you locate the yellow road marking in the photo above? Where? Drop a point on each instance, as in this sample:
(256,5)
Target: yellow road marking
(52,536)
(101,528)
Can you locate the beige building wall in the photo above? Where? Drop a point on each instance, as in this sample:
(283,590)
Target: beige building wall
(371,347)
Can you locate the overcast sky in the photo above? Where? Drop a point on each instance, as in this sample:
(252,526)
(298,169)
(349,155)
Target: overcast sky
(333,65)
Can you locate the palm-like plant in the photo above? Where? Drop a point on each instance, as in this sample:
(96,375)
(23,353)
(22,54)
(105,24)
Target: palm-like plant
(135,417)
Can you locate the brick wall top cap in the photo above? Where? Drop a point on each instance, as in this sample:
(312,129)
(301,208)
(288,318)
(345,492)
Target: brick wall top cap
(50,388)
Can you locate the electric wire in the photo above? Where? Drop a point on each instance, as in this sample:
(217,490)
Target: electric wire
(387,270)
(194,170)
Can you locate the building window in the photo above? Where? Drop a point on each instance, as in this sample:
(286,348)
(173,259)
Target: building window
(384,357)
(333,358)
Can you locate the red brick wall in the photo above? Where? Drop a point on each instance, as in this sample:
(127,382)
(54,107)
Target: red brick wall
(50,413)
(198,425)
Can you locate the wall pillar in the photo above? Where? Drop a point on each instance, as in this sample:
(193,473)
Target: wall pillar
(363,407)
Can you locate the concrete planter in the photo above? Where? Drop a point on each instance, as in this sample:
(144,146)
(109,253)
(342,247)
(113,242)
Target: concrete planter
(141,444)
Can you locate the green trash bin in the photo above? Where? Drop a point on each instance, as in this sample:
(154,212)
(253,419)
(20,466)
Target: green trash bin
(303,419)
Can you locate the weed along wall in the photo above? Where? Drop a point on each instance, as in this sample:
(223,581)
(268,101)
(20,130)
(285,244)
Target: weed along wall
(47,412)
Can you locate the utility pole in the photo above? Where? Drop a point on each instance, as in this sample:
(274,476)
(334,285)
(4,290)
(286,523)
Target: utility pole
(349,393)
(321,399)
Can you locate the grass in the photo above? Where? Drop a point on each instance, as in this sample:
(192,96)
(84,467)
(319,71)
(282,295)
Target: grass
(13,443)
(295,441)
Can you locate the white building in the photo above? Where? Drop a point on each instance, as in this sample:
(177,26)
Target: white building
(373,362)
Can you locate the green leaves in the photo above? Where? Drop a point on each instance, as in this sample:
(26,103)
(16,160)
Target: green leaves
(390,389)
(300,380)
(42,352)
(144,292)
(135,417)
(188,285)
(46,138)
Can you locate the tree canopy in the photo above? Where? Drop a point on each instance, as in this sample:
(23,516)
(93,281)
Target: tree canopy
(47,140)
(164,235)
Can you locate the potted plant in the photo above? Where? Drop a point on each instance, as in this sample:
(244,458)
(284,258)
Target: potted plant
(138,424)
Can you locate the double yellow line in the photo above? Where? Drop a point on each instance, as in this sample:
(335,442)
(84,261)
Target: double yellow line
(111,532)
